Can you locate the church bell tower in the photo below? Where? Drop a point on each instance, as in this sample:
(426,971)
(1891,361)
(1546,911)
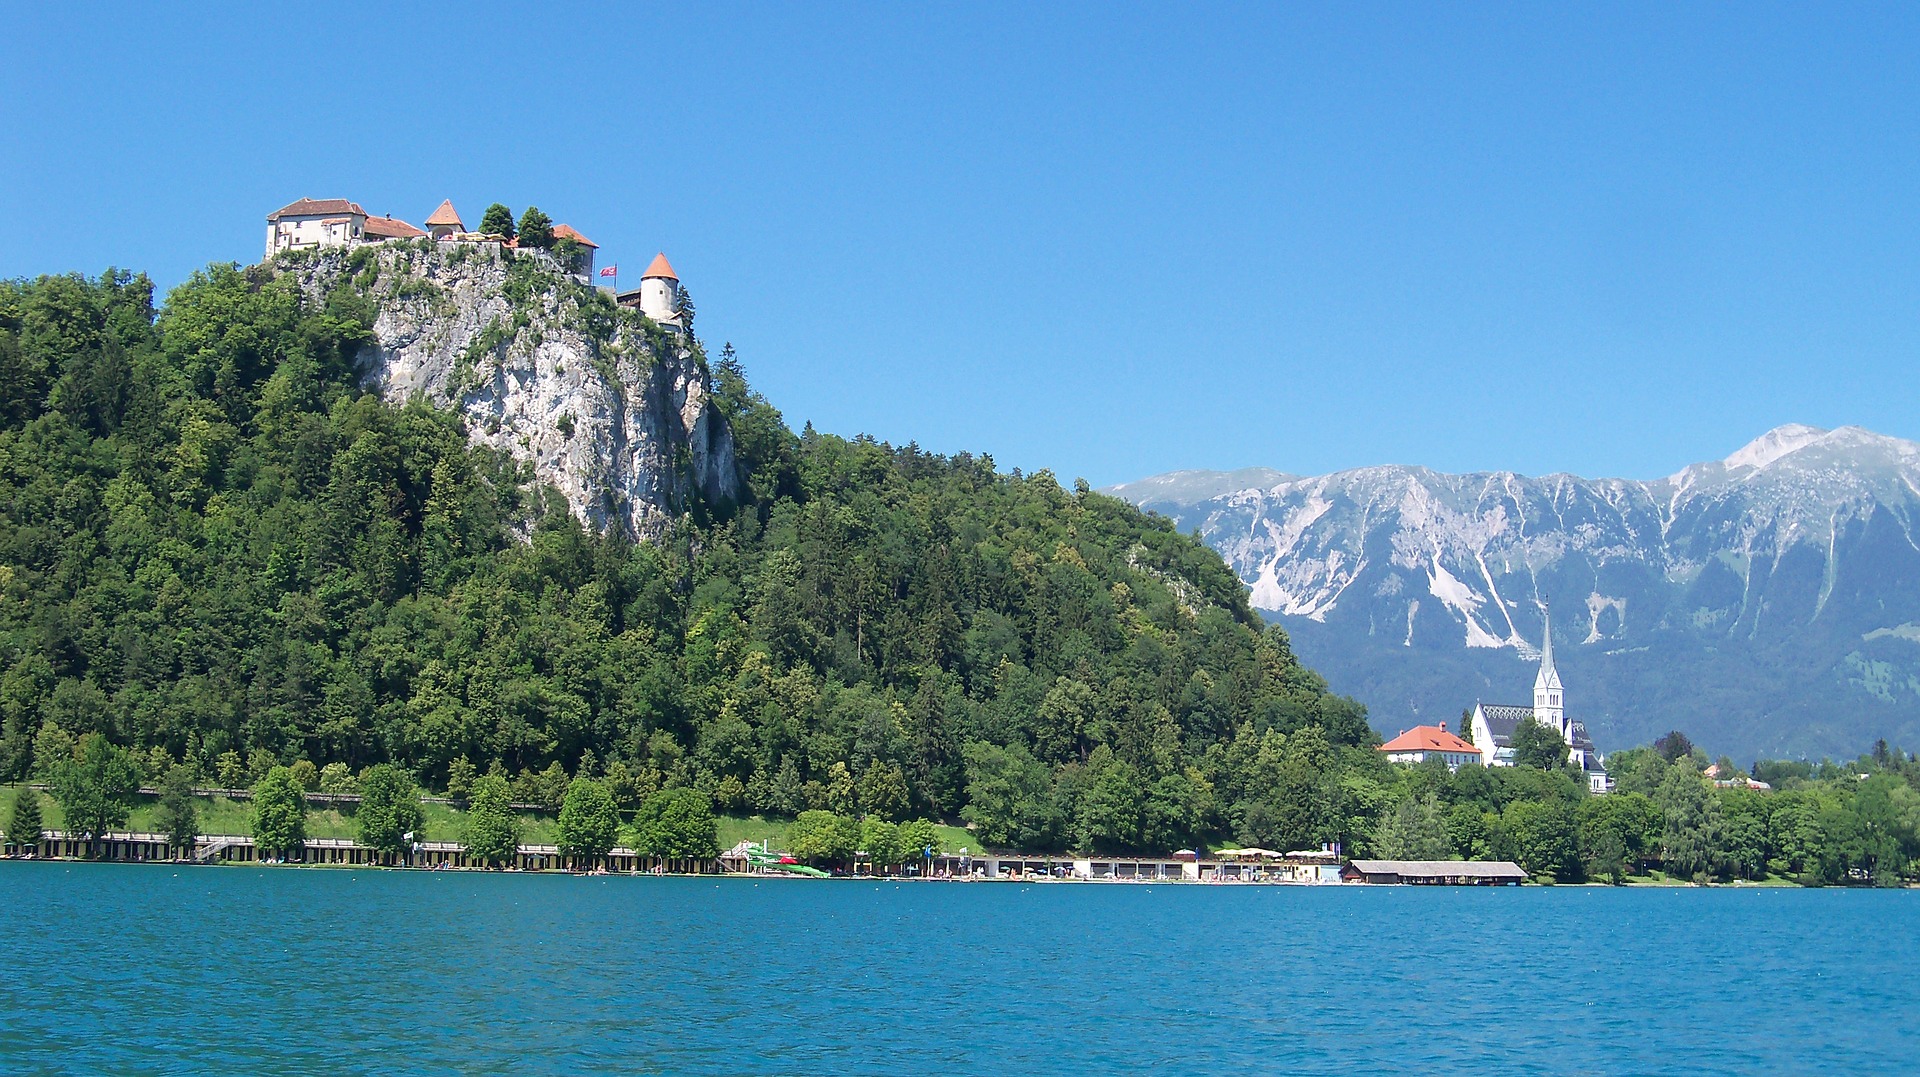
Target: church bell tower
(1548,709)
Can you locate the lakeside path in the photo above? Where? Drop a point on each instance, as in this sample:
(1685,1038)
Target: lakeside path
(364,972)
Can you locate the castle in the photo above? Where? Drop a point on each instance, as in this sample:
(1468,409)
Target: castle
(1494,724)
(314,223)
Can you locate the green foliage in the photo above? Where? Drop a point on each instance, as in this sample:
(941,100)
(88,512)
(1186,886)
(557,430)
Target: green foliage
(678,824)
(94,788)
(1535,745)
(279,815)
(389,809)
(589,821)
(823,837)
(536,229)
(492,833)
(219,546)
(460,776)
(24,823)
(178,816)
(336,778)
(1414,830)
(498,221)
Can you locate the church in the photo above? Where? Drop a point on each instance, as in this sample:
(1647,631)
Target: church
(1494,724)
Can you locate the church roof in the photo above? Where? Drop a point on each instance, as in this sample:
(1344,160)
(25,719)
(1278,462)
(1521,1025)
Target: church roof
(446,215)
(388,228)
(1502,720)
(1428,738)
(317,207)
(660,268)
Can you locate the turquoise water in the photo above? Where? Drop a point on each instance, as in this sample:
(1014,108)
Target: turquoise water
(157,970)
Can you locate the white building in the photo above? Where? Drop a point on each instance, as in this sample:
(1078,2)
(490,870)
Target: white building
(1424,742)
(315,222)
(330,222)
(1493,724)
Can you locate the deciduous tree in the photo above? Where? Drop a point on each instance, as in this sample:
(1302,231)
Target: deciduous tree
(492,833)
(178,816)
(389,809)
(589,821)
(279,816)
(95,788)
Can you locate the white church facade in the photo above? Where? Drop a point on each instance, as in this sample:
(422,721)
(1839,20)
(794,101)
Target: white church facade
(1493,724)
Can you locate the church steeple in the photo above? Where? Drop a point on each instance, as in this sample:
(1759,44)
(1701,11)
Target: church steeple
(1548,708)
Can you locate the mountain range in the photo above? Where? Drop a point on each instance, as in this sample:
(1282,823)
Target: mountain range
(1767,604)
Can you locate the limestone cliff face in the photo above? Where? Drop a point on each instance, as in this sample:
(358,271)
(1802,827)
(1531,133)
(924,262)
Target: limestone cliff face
(607,407)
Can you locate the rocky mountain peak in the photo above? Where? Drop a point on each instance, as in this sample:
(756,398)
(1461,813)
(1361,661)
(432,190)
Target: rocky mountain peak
(1768,601)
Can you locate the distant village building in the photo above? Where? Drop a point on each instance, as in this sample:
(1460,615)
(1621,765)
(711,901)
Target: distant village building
(1424,742)
(1493,725)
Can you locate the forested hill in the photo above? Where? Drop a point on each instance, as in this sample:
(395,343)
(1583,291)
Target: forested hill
(217,547)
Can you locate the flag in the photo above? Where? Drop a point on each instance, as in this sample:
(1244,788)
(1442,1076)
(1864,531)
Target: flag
(610,271)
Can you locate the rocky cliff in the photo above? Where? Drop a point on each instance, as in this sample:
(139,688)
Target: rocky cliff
(1767,603)
(607,407)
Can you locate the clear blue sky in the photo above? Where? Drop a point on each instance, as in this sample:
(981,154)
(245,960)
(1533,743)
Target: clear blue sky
(1111,241)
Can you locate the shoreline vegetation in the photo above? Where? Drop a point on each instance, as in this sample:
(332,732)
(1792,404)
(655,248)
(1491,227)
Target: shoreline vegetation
(227,560)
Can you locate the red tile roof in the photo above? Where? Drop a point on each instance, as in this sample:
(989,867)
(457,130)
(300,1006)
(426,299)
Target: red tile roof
(316,207)
(566,231)
(660,268)
(1428,738)
(445,215)
(388,228)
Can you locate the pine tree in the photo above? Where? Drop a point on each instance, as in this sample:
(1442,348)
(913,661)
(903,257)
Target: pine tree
(23,820)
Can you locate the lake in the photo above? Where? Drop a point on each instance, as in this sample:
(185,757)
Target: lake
(130,969)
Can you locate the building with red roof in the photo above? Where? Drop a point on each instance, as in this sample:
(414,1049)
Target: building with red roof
(1423,742)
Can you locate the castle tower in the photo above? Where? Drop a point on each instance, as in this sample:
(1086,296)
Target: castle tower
(1548,708)
(445,221)
(660,292)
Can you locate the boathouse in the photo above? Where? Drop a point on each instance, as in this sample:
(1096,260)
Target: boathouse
(1436,872)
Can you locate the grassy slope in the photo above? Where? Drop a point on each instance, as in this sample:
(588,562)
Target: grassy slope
(737,828)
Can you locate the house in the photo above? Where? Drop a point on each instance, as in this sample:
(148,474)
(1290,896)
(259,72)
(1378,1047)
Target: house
(582,261)
(658,296)
(444,223)
(1493,724)
(1423,742)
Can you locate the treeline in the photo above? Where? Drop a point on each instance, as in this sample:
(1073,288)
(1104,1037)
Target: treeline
(218,552)
(1671,811)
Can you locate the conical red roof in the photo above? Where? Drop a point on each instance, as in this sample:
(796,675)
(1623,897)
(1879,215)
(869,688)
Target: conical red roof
(446,215)
(660,268)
